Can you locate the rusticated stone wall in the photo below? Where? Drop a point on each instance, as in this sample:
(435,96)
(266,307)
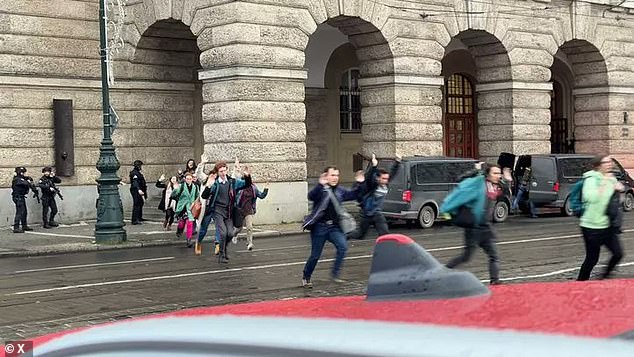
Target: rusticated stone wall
(249,98)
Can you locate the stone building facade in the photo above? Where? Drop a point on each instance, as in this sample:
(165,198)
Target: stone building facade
(289,86)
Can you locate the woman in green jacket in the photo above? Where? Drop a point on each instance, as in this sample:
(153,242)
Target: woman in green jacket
(186,194)
(598,187)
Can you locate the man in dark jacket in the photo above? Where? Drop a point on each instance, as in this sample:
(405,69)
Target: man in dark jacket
(49,191)
(374,191)
(20,187)
(323,222)
(138,190)
(220,193)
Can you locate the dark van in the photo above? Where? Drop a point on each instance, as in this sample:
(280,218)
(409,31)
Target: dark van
(555,174)
(421,185)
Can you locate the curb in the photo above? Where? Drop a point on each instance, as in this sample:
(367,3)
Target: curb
(54,250)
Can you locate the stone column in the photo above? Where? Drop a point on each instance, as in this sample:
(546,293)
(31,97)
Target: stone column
(402,115)
(257,115)
(513,117)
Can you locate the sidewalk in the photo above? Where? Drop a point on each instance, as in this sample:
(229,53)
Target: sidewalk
(80,237)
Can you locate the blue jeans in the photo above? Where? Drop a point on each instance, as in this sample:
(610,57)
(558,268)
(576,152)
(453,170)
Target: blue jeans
(318,236)
(204,225)
(520,193)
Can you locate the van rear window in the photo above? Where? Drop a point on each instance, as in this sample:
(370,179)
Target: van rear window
(574,167)
(441,172)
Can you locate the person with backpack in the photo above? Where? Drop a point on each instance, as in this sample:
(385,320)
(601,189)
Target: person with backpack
(471,205)
(598,188)
(373,192)
(245,207)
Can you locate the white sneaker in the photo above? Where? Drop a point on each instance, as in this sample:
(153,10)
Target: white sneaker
(307,284)
(234,240)
(250,246)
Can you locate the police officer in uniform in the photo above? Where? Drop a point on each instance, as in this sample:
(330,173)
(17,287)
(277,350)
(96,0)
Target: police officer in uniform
(20,187)
(49,191)
(138,189)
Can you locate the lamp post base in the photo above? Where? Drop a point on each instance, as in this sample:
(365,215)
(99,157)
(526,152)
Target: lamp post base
(109,227)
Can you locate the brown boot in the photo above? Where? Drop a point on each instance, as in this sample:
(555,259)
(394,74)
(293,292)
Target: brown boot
(198,250)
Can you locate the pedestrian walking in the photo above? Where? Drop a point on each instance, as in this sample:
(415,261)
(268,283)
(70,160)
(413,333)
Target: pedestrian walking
(325,221)
(598,190)
(246,207)
(167,204)
(138,190)
(220,192)
(185,195)
(47,184)
(472,202)
(20,187)
(374,190)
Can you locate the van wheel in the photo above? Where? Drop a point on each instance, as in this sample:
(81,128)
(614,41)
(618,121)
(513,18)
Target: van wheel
(426,217)
(566,210)
(628,203)
(500,211)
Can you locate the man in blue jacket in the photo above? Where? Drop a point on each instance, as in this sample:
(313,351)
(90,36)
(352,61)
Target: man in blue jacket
(374,191)
(479,195)
(323,222)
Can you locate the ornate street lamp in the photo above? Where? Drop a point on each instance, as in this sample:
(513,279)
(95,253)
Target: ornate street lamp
(109,227)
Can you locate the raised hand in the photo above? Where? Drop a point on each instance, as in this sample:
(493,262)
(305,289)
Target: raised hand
(359,176)
(375,162)
(162,178)
(323,179)
(398,158)
(211,179)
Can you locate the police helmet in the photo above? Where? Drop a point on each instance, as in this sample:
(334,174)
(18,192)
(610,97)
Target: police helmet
(47,169)
(20,170)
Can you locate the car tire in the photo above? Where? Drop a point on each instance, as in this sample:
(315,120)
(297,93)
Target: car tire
(628,202)
(426,217)
(566,210)
(500,211)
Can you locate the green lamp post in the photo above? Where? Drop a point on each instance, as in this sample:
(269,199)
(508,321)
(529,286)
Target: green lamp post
(109,227)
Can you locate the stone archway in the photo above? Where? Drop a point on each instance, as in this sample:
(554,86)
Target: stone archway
(478,123)
(589,93)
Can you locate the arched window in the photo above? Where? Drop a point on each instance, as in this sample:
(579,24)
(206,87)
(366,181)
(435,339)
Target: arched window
(350,102)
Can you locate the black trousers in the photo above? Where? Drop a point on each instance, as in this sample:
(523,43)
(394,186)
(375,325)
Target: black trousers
(48,203)
(484,237)
(137,206)
(169,217)
(20,211)
(594,239)
(379,222)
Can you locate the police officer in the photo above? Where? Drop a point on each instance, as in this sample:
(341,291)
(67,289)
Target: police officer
(138,189)
(49,191)
(20,186)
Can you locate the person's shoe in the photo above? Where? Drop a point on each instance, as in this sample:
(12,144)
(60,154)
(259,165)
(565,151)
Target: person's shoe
(27,228)
(179,233)
(136,223)
(234,240)
(53,224)
(189,243)
(224,259)
(217,249)
(533,216)
(337,280)
(307,284)
(250,246)
(198,250)
(46,226)
(18,230)
(495,282)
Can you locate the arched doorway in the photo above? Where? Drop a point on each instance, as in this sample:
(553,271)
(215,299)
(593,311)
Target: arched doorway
(459,125)
(477,115)
(562,128)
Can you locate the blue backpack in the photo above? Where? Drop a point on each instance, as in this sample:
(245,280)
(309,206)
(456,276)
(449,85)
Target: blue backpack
(575,198)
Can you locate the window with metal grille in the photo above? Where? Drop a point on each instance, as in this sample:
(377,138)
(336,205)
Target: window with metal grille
(350,102)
